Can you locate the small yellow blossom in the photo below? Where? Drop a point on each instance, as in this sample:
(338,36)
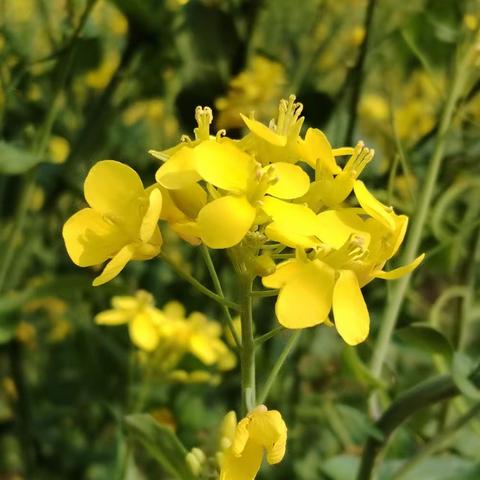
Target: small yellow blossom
(121,223)
(141,315)
(58,149)
(256,88)
(262,430)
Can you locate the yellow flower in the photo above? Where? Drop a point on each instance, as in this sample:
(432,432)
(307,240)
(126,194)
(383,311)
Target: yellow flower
(143,319)
(121,223)
(198,335)
(261,430)
(245,184)
(58,149)
(279,142)
(256,88)
(351,252)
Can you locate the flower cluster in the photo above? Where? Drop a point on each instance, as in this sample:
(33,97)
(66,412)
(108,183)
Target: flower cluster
(273,194)
(169,335)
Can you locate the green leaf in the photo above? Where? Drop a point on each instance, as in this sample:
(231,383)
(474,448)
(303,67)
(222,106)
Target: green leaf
(358,423)
(427,339)
(359,370)
(462,367)
(162,444)
(15,160)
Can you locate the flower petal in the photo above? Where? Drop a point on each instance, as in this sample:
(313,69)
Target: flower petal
(400,271)
(336,226)
(291,217)
(224,165)
(190,199)
(225,221)
(352,320)
(152,215)
(115,265)
(373,207)
(279,233)
(244,467)
(281,275)
(113,188)
(292,182)
(179,171)
(306,299)
(89,239)
(265,133)
(112,317)
(317,147)
(144,333)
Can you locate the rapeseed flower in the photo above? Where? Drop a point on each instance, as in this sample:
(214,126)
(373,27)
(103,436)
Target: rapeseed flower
(139,312)
(353,246)
(244,444)
(120,223)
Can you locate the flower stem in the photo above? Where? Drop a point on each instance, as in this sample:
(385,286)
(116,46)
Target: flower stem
(399,290)
(218,288)
(292,341)
(267,336)
(247,353)
(198,285)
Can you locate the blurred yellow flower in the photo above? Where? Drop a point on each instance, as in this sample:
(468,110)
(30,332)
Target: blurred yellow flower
(262,430)
(121,223)
(256,88)
(141,315)
(58,149)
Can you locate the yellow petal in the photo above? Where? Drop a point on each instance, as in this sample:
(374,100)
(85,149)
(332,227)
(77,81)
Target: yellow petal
(372,206)
(152,215)
(291,217)
(268,429)
(225,221)
(279,233)
(112,317)
(306,298)
(244,467)
(292,182)
(144,333)
(190,199)
(400,271)
(241,437)
(265,133)
(317,147)
(114,266)
(174,309)
(201,347)
(179,171)
(224,165)
(336,226)
(352,320)
(113,188)
(89,239)
(283,272)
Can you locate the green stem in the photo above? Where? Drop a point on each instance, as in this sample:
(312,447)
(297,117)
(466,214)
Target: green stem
(198,285)
(357,73)
(218,288)
(425,394)
(437,442)
(399,290)
(267,336)
(265,293)
(247,353)
(292,341)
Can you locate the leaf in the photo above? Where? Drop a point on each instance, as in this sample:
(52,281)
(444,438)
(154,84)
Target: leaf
(162,443)
(462,367)
(427,339)
(359,370)
(341,467)
(15,160)
(358,423)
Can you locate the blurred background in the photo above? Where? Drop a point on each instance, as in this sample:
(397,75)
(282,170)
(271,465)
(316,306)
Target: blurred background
(86,80)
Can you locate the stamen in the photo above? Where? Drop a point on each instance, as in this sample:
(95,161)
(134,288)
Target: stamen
(204,118)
